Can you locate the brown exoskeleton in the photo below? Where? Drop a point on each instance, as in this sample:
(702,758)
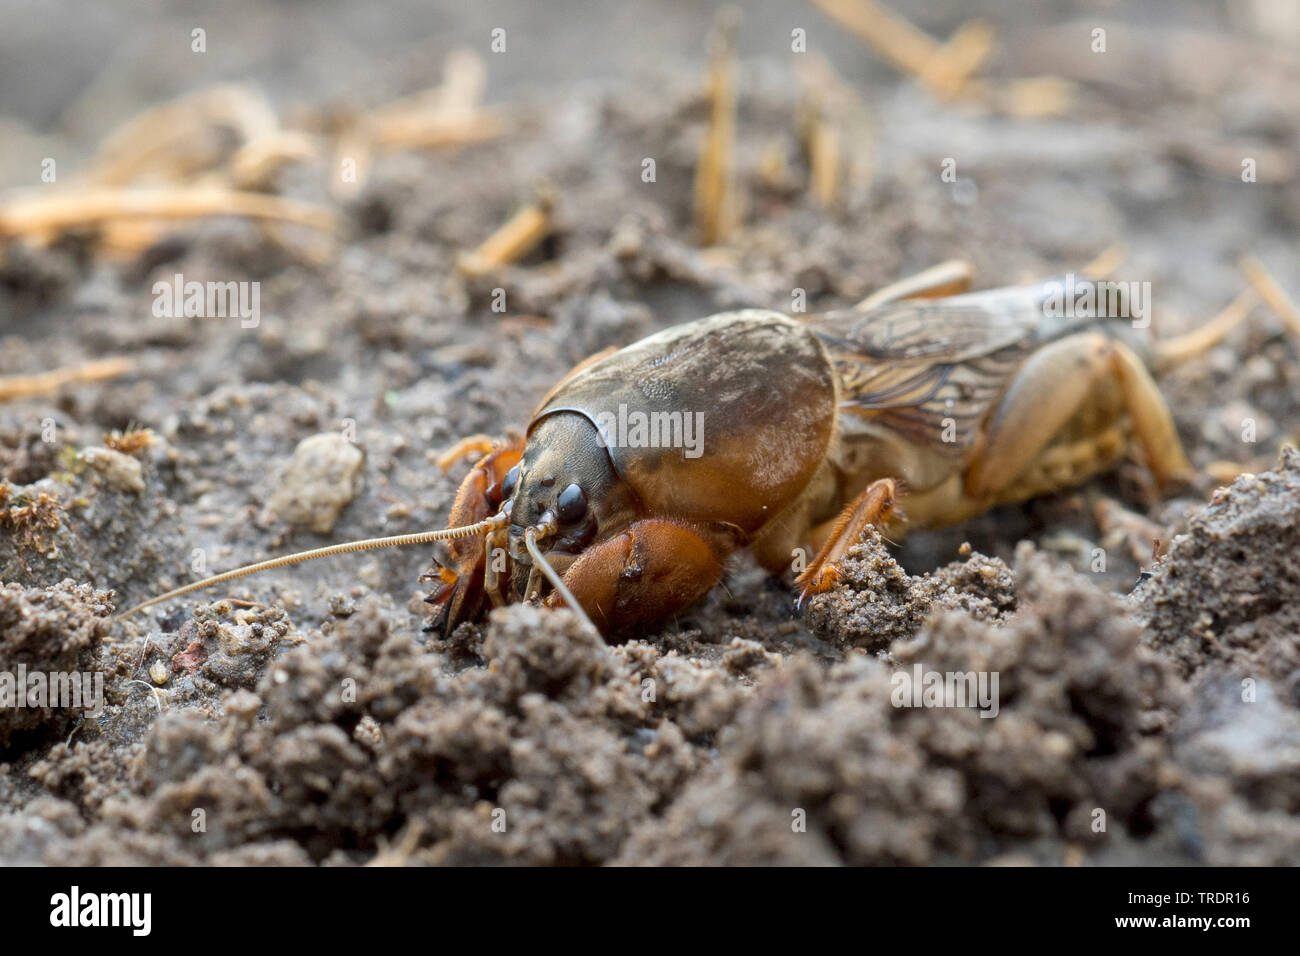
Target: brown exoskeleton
(812,429)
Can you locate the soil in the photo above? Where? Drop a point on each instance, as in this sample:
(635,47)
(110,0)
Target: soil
(1149,711)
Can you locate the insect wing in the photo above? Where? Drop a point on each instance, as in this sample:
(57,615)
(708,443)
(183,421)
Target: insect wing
(931,370)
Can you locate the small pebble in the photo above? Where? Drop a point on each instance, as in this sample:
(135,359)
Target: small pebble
(120,471)
(319,481)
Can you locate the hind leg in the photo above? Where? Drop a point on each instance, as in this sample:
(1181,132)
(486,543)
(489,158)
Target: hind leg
(1016,458)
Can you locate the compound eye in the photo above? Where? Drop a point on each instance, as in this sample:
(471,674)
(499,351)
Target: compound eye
(510,482)
(571,505)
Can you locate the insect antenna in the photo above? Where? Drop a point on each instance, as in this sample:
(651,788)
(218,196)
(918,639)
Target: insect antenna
(366,544)
(539,559)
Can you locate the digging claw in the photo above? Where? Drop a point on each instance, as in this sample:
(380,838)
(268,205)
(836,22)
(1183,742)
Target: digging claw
(446,584)
(819,582)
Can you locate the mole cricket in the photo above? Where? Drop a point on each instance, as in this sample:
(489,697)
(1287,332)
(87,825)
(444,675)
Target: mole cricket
(924,396)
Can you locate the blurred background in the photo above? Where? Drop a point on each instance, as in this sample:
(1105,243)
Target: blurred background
(75,67)
(1182,85)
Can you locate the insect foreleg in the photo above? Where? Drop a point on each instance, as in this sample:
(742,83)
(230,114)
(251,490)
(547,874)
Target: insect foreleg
(873,507)
(653,569)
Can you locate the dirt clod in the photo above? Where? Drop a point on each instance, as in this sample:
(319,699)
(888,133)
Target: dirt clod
(45,632)
(118,469)
(876,602)
(824,766)
(318,482)
(1227,592)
